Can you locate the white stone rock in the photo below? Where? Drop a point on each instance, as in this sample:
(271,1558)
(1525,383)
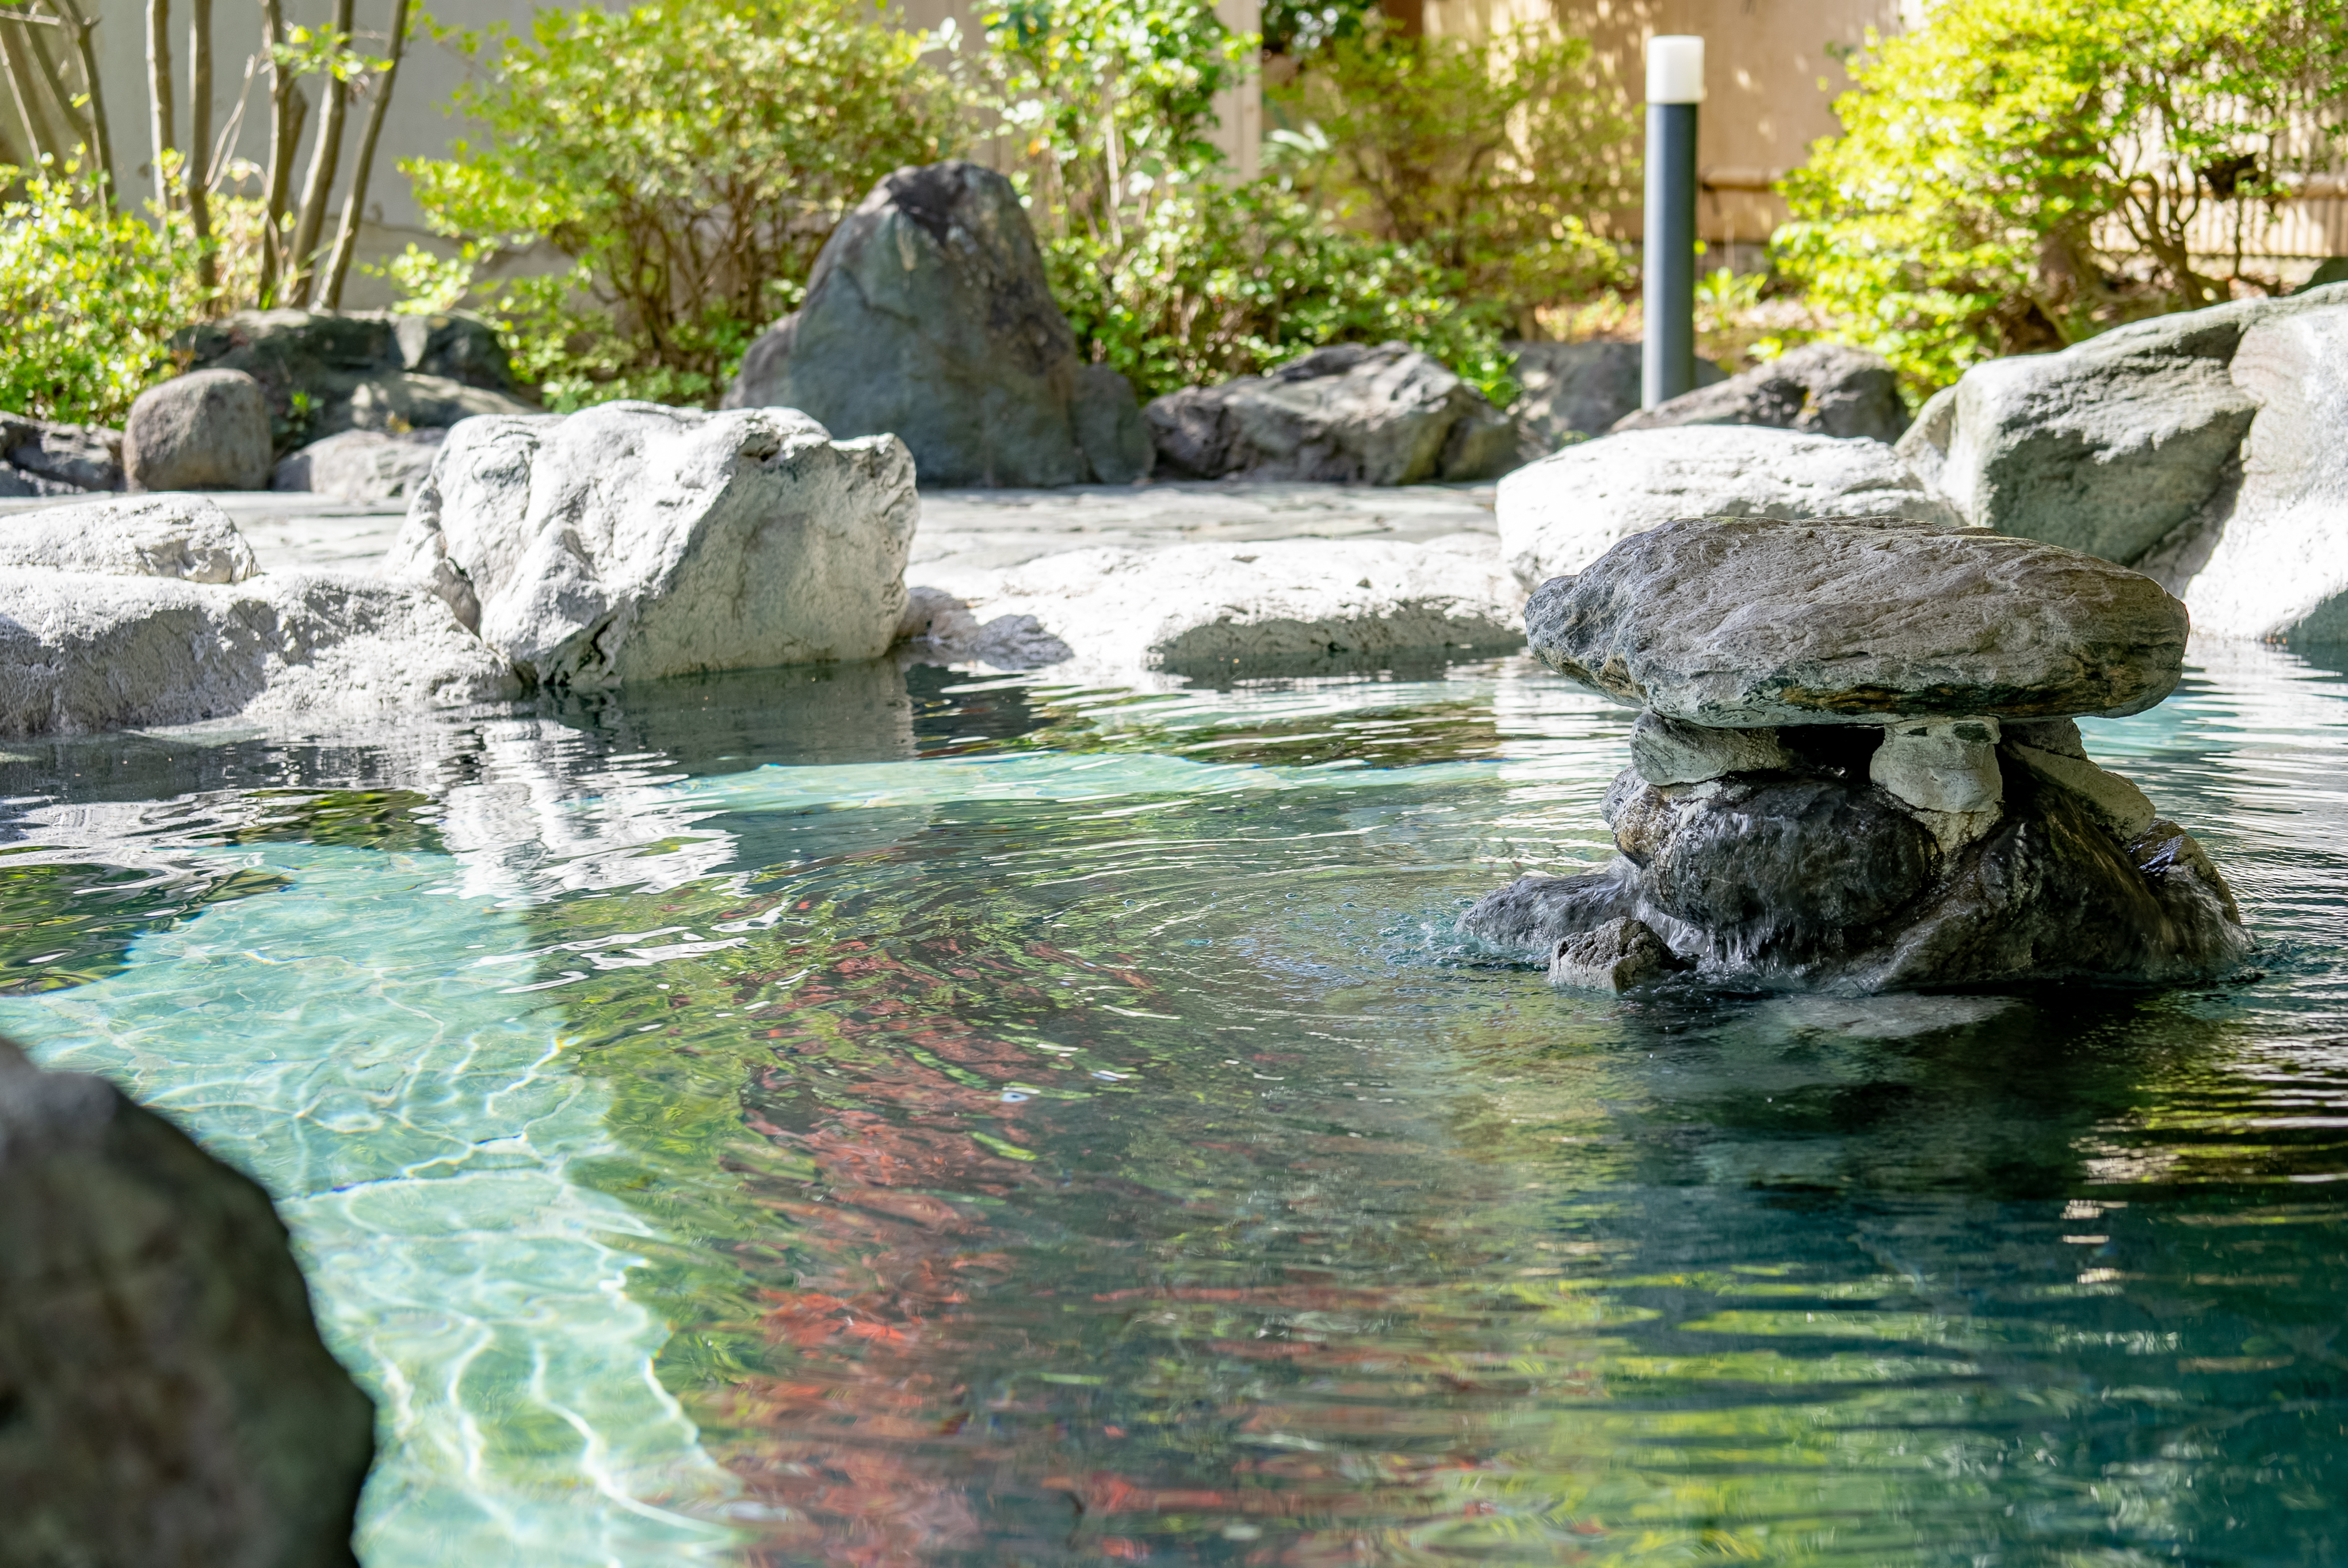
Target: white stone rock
(80,651)
(632,541)
(1195,606)
(1668,752)
(361,467)
(1945,771)
(182,535)
(1564,512)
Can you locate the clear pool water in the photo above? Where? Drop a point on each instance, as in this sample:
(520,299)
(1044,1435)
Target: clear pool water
(877,1116)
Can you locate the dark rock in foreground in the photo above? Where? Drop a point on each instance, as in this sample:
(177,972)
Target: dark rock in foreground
(165,1398)
(928,317)
(1732,623)
(1820,388)
(1350,413)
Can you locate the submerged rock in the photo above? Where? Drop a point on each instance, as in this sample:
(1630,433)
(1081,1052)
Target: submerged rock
(1734,624)
(928,317)
(632,541)
(1852,774)
(1349,413)
(168,1397)
(1820,388)
(1564,512)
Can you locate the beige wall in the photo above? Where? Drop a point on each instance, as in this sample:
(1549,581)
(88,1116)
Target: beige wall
(1770,81)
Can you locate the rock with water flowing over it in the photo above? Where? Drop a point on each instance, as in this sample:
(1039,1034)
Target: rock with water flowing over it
(207,430)
(1562,513)
(169,1399)
(1350,413)
(1740,623)
(632,541)
(1820,388)
(41,458)
(1853,770)
(185,536)
(928,317)
(362,466)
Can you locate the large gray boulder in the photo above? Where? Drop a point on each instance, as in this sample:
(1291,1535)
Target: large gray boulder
(632,541)
(1350,413)
(40,459)
(1821,388)
(2267,556)
(326,371)
(207,430)
(1732,624)
(1573,391)
(928,317)
(168,1399)
(177,536)
(1559,514)
(361,467)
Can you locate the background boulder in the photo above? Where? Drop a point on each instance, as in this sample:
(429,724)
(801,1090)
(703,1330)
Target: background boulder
(928,317)
(1575,390)
(1820,388)
(1350,413)
(361,467)
(326,372)
(631,541)
(39,458)
(168,1399)
(1559,514)
(208,430)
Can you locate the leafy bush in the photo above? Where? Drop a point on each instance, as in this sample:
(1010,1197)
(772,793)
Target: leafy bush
(1216,283)
(1486,153)
(687,158)
(2019,174)
(89,297)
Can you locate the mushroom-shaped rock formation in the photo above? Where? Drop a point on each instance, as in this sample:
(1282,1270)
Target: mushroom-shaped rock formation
(1856,768)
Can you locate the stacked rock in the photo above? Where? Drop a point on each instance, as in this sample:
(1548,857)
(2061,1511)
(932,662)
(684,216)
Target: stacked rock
(1857,766)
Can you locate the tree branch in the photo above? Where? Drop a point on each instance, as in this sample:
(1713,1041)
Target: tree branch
(319,187)
(199,151)
(355,200)
(159,95)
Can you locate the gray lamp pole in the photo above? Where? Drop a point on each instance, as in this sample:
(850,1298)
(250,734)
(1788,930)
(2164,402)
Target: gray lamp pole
(1667,281)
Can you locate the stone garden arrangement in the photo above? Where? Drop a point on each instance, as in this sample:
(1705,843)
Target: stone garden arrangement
(1855,765)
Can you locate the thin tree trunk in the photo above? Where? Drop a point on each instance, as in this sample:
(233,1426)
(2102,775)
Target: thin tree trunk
(159,95)
(199,145)
(284,129)
(319,187)
(15,58)
(102,137)
(354,201)
(68,130)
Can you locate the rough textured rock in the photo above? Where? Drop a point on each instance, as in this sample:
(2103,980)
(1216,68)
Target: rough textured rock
(928,318)
(1945,773)
(80,651)
(1349,413)
(632,541)
(2268,556)
(207,430)
(325,372)
(1613,957)
(938,627)
(1302,604)
(1109,426)
(1575,390)
(169,1402)
(1667,751)
(2052,751)
(1820,388)
(1740,624)
(185,536)
(361,467)
(1565,511)
(38,458)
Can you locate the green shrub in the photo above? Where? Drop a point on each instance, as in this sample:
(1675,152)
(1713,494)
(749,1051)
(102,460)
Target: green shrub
(2017,174)
(1488,155)
(687,159)
(89,297)
(1219,281)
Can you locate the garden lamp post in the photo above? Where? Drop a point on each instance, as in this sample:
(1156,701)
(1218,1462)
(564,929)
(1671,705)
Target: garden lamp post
(1667,286)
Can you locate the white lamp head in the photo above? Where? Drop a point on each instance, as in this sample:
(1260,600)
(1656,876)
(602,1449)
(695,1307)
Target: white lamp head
(1674,68)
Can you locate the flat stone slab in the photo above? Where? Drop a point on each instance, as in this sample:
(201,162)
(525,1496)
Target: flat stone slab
(1741,623)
